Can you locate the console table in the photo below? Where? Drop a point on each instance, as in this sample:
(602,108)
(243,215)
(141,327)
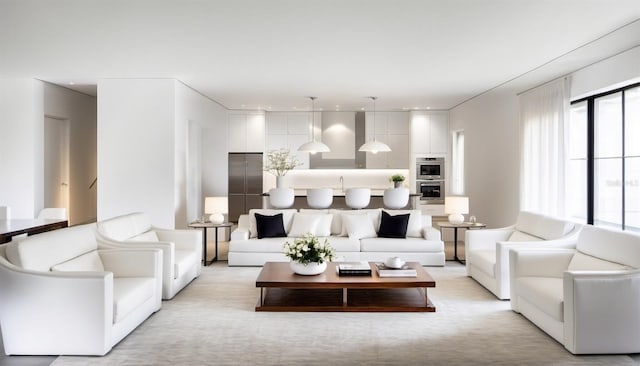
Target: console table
(204,226)
(455,227)
(11,228)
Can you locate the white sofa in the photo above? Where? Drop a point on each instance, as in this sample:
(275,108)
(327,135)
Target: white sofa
(181,249)
(587,298)
(60,295)
(487,251)
(422,244)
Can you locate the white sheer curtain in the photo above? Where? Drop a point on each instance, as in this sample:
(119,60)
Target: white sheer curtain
(543,129)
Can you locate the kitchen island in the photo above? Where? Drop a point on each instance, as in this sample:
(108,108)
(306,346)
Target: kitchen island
(339,199)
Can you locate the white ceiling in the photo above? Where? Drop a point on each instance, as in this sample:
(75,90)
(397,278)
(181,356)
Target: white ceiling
(272,54)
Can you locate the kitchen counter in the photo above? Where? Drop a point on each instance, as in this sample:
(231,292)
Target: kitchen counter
(302,192)
(339,199)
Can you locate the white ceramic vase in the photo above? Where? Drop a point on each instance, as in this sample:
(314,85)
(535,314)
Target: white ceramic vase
(280,181)
(309,269)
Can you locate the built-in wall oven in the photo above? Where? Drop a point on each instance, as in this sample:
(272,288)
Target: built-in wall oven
(429,168)
(431,191)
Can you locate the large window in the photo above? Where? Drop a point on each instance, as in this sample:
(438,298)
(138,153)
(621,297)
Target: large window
(604,159)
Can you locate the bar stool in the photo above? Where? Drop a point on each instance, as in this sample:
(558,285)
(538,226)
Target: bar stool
(319,197)
(357,198)
(396,198)
(281,197)
(54,213)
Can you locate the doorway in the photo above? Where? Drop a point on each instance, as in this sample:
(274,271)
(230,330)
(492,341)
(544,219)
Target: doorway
(56,162)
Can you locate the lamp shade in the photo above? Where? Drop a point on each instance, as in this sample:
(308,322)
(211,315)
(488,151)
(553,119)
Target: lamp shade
(216,206)
(374,147)
(455,206)
(314,147)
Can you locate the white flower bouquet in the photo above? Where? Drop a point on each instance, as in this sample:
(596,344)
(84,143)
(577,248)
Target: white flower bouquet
(308,249)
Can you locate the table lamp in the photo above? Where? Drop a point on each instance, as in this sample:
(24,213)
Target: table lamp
(216,207)
(455,206)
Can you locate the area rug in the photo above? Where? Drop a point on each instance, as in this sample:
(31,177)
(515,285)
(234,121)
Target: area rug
(213,322)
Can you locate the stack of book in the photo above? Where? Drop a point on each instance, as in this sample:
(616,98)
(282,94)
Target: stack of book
(354,269)
(404,271)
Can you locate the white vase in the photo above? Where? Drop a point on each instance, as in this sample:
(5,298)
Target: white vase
(309,269)
(280,181)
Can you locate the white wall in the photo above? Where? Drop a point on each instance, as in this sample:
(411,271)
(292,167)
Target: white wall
(492,137)
(136,148)
(492,155)
(80,110)
(201,151)
(22,146)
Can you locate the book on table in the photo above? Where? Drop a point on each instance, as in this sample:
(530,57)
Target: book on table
(361,268)
(404,271)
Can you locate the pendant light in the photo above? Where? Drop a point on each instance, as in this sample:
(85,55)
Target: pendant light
(374,146)
(313,146)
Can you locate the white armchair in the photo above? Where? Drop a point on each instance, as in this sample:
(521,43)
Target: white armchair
(60,295)
(587,298)
(487,251)
(181,249)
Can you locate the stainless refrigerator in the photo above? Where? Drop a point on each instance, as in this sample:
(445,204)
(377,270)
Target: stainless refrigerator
(245,183)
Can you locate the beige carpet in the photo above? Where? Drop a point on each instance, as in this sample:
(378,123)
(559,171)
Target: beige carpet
(213,322)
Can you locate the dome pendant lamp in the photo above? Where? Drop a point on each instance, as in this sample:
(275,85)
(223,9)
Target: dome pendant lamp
(374,146)
(313,146)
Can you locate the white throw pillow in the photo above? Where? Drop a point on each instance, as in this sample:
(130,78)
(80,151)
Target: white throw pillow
(414,227)
(324,225)
(359,226)
(373,215)
(302,224)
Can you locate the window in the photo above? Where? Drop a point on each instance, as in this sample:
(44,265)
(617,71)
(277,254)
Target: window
(604,159)
(457,165)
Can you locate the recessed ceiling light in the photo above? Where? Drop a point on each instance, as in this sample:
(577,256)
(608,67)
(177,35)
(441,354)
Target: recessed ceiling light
(428,107)
(72,83)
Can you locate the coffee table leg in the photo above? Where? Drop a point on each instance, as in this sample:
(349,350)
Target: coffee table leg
(344,297)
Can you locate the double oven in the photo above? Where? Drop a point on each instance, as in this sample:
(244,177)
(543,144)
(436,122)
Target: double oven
(430,180)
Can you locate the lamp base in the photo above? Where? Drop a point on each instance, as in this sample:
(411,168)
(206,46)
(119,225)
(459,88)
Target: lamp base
(216,218)
(456,219)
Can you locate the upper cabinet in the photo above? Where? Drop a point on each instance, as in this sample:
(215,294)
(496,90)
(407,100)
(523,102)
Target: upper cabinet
(430,132)
(246,131)
(393,129)
(289,131)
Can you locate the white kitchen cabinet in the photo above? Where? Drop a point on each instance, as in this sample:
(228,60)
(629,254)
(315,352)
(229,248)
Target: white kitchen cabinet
(392,128)
(246,132)
(289,131)
(429,132)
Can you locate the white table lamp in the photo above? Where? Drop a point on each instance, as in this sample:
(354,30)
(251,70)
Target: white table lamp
(217,207)
(456,206)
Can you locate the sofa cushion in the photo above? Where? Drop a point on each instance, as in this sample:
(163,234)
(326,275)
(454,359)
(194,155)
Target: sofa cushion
(545,293)
(43,251)
(266,245)
(129,293)
(185,260)
(269,226)
(484,260)
(359,226)
(615,246)
(413,245)
(342,243)
(414,227)
(287,218)
(88,262)
(520,236)
(393,226)
(123,227)
(318,224)
(542,226)
(584,262)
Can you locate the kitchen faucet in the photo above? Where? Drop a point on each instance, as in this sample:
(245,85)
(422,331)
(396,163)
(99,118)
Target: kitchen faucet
(342,183)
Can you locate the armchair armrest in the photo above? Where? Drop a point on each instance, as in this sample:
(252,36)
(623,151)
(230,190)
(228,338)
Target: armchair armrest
(132,262)
(485,239)
(601,311)
(240,234)
(183,239)
(533,262)
(37,309)
(431,233)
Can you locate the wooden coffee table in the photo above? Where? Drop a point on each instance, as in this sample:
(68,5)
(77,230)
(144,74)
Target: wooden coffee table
(283,290)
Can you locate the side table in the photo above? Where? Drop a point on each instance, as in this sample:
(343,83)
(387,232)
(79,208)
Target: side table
(455,227)
(204,226)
